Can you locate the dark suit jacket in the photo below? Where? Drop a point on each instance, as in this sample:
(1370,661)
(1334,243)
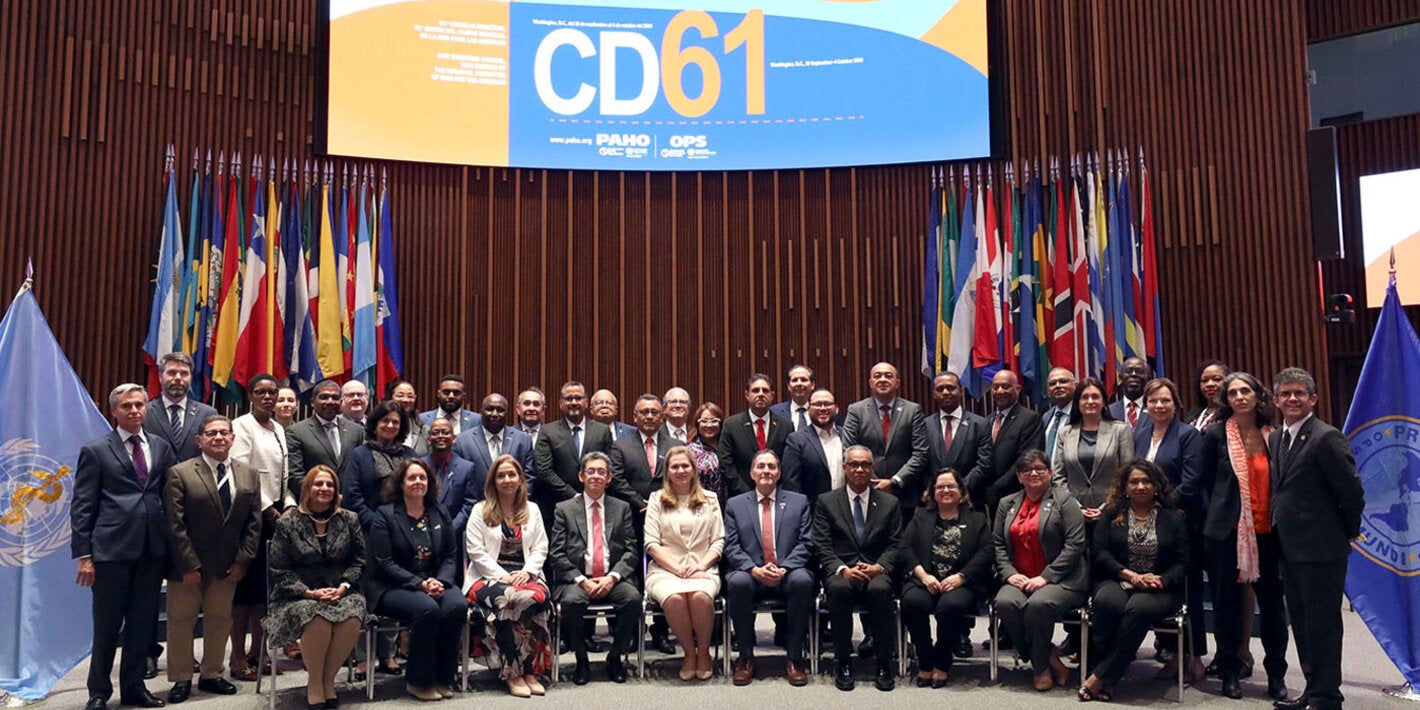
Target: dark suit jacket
(112,518)
(183,443)
(1111,548)
(970,454)
(1220,484)
(620,429)
(1317,498)
(632,480)
(837,542)
(308,447)
(392,552)
(200,535)
(467,419)
(974,562)
(1021,432)
(805,465)
(786,409)
(1114,444)
(792,537)
(472,445)
(571,539)
(903,457)
(361,483)
(1178,456)
(738,447)
(557,462)
(464,488)
(1062,537)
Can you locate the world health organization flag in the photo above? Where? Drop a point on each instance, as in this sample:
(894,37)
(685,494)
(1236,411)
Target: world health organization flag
(46,626)
(1383,579)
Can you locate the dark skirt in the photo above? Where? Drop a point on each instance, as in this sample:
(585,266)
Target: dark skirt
(251,591)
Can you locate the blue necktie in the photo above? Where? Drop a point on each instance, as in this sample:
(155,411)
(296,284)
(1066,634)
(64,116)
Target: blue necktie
(858,521)
(577,440)
(803,420)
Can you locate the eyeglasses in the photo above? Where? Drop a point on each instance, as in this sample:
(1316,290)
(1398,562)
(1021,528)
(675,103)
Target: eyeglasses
(1035,470)
(217,433)
(1291,394)
(354,395)
(857,464)
(704,422)
(947,487)
(263,393)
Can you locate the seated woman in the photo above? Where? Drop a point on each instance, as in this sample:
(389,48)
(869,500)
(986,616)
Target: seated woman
(507,547)
(685,535)
(1039,541)
(947,552)
(413,565)
(317,557)
(1140,561)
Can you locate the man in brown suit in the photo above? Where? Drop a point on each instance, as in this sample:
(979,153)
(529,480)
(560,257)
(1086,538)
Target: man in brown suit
(214,525)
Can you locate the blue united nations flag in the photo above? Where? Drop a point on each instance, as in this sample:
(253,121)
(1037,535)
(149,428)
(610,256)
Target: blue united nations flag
(1383,576)
(45,417)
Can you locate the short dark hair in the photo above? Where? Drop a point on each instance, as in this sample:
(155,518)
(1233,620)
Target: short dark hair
(757,377)
(260,378)
(325,385)
(1075,416)
(178,356)
(453,378)
(389,387)
(394,484)
(378,412)
(1295,376)
(212,418)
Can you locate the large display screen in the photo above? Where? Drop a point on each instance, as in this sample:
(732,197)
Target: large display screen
(1390,219)
(658,84)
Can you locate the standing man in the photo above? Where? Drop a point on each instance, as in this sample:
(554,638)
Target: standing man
(1014,430)
(173,416)
(747,433)
(813,457)
(323,439)
(214,507)
(1060,385)
(561,446)
(896,432)
(491,438)
(678,424)
(855,532)
(354,402)
(452,391)
(120,538)
(592,558)
(1317,500)
(459,483)
(958,439)
(605,409)
(1129,408)
(796,408)
(638,461)
(530,409)
(767,538)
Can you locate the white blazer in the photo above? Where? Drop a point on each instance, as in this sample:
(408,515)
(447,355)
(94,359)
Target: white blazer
(483,544)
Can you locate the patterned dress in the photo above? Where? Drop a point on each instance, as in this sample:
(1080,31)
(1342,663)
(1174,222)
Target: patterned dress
(517,615)
(303,560)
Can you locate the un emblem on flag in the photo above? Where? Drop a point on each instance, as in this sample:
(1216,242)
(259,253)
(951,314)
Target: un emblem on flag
(1387,454)
(35,492)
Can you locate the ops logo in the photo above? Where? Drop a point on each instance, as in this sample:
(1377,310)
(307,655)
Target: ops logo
(1388,450)
(35,492)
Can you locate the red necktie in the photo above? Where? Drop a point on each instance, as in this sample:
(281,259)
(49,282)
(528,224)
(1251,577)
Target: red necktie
(766,530)
(598,551)
(947,434)
(651,454)
(759,434)
(887,422)
(1132,413)
(996,428)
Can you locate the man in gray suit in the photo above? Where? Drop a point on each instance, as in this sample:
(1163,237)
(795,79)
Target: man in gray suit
(119,537)
(173,416)
(322,439)
(896,432)
(213,504)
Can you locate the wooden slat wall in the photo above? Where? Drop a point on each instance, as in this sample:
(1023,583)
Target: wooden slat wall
(637,281)
(1327,19)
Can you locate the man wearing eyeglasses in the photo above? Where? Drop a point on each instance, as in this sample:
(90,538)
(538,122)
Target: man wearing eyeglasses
(354,401)
(213,505)
(678,424)
(813,457)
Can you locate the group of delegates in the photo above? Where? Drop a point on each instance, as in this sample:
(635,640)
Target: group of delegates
(421,517)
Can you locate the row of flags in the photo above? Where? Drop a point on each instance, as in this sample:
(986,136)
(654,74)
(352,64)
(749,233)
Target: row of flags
(1040,271)
(289,273)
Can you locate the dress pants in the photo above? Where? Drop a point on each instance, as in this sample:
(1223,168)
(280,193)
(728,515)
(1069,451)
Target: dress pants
(840,595)
(952,611)
(213,598)
(624,599)
(125,600)
(1227,605)
(435,627)
(1029,620)
(1314,591)
(796,590)
(1122,618)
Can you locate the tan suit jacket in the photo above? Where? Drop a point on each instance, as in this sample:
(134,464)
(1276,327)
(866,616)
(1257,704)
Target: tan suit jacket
(201,536)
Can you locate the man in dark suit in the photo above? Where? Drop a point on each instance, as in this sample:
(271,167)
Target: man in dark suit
(896,432)
(213,505)
(638,461)
(957,438)
(767,554)
(173,416)
(677,405)
(451,394)
(593,559)
(1060,386)
(747,433)
(531,406)
(605,409)
(460,485)
(322,439)
(1317,500)
(491,438)
(813,457)
(120,538)
(354,402)
(1014,430)
(855,533)
(796,408)
(562,444)
(1130,407)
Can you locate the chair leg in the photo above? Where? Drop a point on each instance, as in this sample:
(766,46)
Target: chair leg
(725,642)
(463,662)
(901,645)
(370,663)
(554,637)
(995,623)
(641,644)
(813,642)
(1084,645)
